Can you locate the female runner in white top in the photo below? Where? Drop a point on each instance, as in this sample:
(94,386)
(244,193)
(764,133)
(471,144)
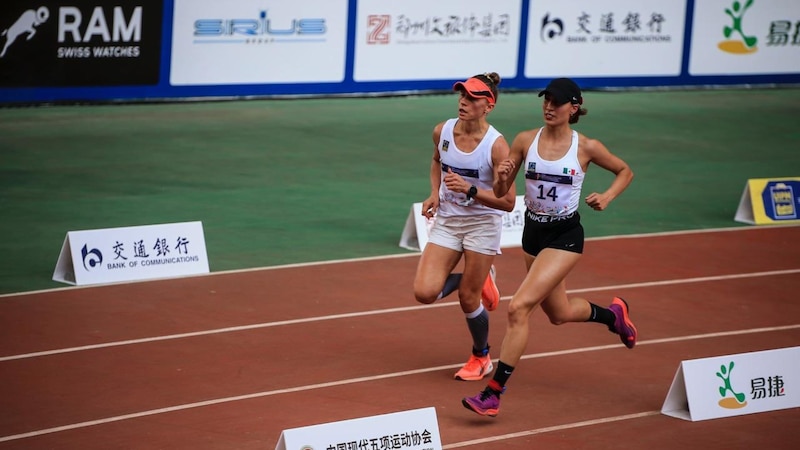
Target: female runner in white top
(467,215)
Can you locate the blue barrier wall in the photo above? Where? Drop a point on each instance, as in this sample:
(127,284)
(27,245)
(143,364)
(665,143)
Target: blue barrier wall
(89,50)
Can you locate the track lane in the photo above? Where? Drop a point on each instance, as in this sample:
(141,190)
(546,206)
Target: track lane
(425,337)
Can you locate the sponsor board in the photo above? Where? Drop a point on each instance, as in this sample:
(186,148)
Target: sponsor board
(767,201)
(416,429)
(132,253)
(62,43)
(734,385)
(258,42)
(420,39)
(745,37)
(587,38)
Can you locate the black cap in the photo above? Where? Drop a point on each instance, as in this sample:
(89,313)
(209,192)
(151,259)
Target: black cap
(563,90)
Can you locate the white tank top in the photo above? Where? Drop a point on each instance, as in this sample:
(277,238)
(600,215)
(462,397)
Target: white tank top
(475,167)
(553,188)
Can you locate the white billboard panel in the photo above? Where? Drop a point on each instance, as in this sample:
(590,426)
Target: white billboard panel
(587,38)
(442,39)
(745,37)
(258,41)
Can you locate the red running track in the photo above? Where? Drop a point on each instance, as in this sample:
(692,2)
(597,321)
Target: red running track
(229,360)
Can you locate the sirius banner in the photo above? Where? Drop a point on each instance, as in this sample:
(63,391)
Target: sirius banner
(62,43)
(258,42)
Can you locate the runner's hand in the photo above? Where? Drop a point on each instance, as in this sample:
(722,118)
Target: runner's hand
(430,205)
(505,170)
(597,202)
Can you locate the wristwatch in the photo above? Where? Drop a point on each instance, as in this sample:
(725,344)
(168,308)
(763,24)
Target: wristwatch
(473,191)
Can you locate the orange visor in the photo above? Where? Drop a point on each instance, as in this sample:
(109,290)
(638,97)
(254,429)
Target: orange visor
(475,88)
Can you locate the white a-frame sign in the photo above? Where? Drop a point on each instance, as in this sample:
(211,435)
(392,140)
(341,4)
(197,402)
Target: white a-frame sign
(733,385)
(132,253)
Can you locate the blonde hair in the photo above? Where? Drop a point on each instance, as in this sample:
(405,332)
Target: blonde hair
(491,79)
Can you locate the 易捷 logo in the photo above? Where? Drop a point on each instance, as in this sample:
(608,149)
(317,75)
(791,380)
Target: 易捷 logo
(736,40)
(738,399)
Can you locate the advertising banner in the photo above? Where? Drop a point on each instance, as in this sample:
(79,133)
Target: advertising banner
(132,253)
(734,385)
(446,39)
(258,41)
(770,201)
(416,429)
(587,38)
(143,50)
(62,43)
(745,37)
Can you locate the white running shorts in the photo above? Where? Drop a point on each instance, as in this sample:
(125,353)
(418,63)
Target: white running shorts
(479,234)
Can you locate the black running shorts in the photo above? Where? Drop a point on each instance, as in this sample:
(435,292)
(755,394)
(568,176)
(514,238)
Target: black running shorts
(561,233)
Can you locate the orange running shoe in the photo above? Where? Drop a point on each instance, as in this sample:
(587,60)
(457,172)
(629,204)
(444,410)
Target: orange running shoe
(490,295)
(623,325)
(475,369)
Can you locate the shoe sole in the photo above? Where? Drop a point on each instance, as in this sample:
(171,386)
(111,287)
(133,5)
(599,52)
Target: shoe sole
(476,410)
(490,301)
(486,371)
(627,321)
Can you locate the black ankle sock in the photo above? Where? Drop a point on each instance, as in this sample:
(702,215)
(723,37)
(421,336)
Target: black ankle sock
(602,315)
(501,374)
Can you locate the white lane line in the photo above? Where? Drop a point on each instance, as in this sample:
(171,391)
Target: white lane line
(770,273)
(566,426)
(310,387)
(405,255)
(378,312)
(664,341)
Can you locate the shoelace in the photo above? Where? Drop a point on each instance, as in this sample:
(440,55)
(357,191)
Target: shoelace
(475,362)
(473,366)
(485,394)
